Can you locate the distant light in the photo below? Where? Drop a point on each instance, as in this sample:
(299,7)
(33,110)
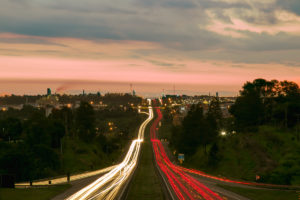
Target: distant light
(69,105)
(4,109)
(92,102)
(223,133)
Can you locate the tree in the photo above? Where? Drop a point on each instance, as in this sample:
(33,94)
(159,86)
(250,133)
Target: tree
(65,116)
(10,129)
(85,121)
(214,157)
(248,111)
(263,102)
(197,130)
(57,131)
(214,114)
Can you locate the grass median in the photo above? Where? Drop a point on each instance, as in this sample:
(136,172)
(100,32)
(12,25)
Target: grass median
(145,183)
(32,193)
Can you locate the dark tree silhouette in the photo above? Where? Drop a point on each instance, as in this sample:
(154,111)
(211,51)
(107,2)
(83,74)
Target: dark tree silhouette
(85,121)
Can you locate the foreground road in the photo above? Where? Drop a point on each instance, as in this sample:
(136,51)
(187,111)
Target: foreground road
(110,185)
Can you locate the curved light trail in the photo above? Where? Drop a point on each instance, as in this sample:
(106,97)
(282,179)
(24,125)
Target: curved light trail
(108,185)
(183,185)
(64,179)
(200,173)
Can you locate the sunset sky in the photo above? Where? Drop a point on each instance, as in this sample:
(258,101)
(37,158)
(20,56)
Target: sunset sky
(199,46)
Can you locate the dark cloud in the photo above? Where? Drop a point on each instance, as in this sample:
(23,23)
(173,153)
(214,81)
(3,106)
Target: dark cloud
(178,25)
(30,40)
(291,5)
(168,65)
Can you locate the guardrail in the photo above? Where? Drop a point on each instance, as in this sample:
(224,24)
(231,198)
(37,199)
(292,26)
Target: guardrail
(63,179)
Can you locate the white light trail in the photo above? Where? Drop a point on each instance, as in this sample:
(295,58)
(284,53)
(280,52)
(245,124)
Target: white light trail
(64,179)
(108,185)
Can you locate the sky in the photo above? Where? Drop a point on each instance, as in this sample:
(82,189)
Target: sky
(194,46)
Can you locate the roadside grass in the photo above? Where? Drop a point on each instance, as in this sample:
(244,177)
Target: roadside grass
(242,156)
(262,194)
(31,193)
(145,183)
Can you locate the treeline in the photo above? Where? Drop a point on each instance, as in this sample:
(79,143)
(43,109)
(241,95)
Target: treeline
(198,128)
(260,138)
(34,146)
(267,102)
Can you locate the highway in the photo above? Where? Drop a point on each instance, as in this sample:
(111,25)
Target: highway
(110,184)
(183,185)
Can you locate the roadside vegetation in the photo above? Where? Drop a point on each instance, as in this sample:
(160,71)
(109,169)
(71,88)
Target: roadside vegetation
(263,194)
(32,193)
(69,140)
(259,142)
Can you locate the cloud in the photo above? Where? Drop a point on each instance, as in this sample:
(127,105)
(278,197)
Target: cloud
(165,32)
(291,5)
(169,66)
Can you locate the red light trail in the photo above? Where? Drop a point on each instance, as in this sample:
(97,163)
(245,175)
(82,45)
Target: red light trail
(183,185)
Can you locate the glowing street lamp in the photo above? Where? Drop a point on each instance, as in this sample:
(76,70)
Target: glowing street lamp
(223,133)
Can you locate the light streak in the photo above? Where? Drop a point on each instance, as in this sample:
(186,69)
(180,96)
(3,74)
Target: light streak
(61,180)
(184,186)
(108,185)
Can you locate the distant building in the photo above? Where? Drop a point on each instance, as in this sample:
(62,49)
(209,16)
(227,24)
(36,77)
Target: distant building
(49,100)
(133,92)
(217,94)
(48,91)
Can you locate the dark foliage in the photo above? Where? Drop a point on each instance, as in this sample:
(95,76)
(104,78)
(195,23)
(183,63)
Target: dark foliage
(267,102)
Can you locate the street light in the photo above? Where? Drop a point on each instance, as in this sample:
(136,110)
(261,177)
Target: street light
(223,133)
